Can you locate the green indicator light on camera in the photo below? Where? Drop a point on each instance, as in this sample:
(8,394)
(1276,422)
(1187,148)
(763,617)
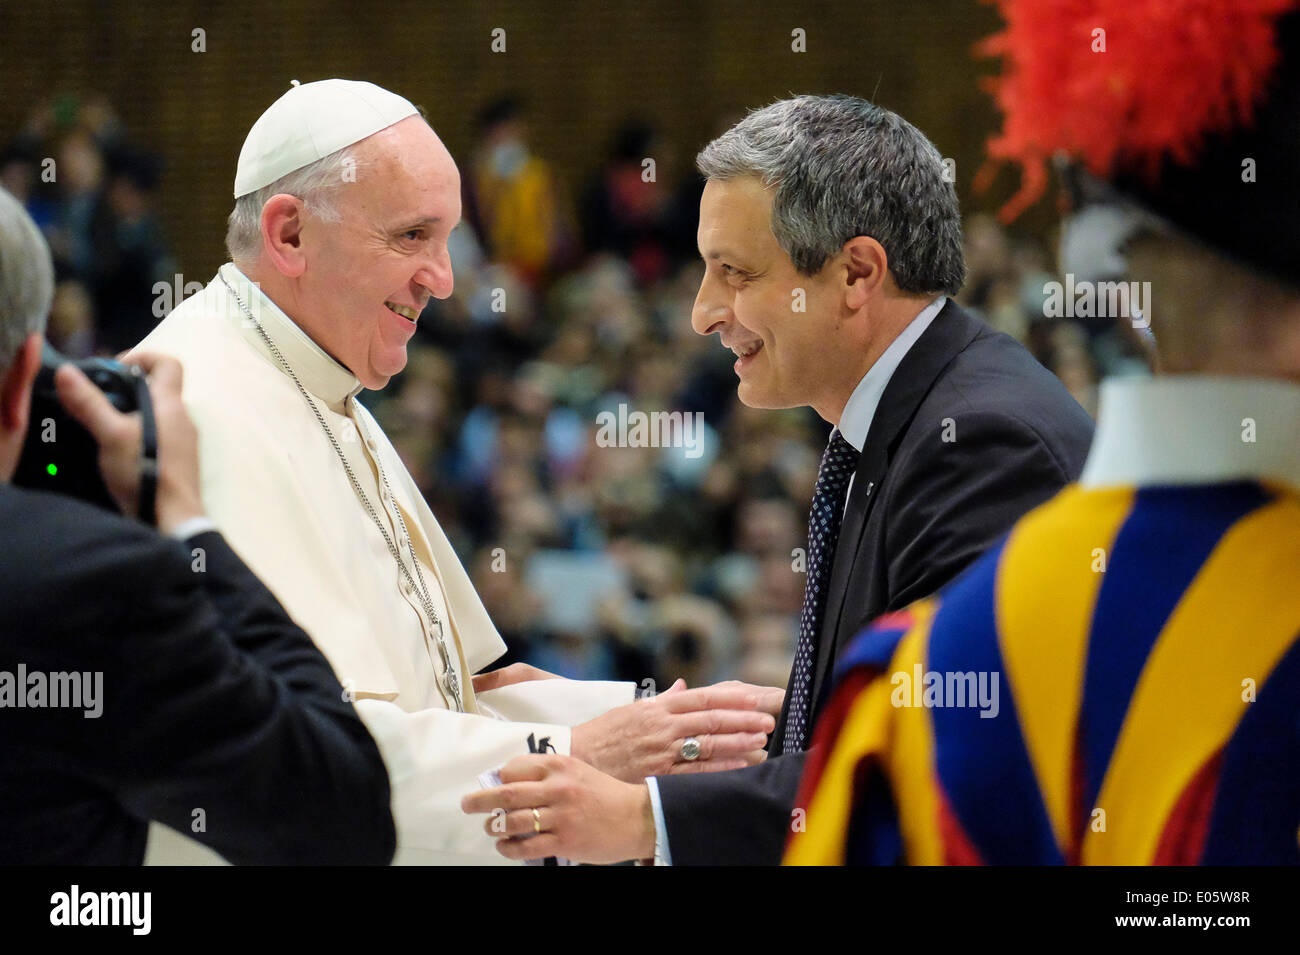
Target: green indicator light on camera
(52,469)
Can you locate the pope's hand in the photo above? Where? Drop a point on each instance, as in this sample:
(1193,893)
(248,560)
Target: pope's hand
(730,722)
(583,814)
(508,676)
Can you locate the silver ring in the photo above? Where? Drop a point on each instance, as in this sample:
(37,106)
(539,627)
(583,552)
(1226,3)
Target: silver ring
(690,749)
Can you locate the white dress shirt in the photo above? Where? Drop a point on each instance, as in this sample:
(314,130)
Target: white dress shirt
(855,423)
(275,487)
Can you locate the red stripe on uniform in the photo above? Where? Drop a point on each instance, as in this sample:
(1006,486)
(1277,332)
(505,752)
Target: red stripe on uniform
(957,847)
(1080,815)
(828,728)
(1183,839)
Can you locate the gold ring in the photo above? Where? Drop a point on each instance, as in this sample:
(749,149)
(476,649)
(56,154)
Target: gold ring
(537,822)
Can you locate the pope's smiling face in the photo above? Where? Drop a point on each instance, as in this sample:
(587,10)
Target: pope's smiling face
(369,275)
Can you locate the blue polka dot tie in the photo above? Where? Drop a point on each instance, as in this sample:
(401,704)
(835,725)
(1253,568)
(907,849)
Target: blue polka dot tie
(838,465)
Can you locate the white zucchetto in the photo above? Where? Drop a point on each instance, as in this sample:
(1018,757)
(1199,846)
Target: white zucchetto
(309,122)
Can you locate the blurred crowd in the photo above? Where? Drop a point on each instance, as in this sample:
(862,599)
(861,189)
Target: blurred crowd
(92,193)
(573,297)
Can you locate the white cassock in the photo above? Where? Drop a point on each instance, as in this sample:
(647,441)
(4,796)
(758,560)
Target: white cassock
(275,487)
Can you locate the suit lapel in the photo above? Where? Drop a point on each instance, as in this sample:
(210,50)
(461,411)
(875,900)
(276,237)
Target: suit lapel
(951,331)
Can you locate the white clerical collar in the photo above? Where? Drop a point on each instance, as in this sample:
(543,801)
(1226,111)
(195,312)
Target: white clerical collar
(320,374)
(858,413)
(1195,429)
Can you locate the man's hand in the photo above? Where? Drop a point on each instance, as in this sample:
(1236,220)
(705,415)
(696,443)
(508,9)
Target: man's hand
(645,738)
(583,814)
(119,438)
(770,698)
(508,676)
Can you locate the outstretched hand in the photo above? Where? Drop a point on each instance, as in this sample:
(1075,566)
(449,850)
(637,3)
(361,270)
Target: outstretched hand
(730,722)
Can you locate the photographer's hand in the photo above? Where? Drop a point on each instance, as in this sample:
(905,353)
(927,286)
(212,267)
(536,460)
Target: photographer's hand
(118,436)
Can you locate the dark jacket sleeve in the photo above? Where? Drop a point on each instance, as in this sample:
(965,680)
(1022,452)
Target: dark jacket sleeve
(223,720)
(738,817)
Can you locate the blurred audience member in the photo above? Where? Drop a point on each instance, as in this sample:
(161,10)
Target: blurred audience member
(92,192)
(513,199)
(625,207)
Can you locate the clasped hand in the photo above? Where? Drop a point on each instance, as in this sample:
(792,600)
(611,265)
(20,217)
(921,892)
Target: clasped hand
(730,721)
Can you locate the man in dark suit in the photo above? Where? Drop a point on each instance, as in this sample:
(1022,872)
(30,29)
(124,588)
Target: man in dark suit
(831,238)
(152,676)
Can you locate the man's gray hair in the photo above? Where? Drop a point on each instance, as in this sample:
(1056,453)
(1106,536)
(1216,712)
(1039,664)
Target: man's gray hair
(317,184)
(26,278)
(842,167)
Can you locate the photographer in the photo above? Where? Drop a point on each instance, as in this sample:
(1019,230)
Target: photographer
(152,676)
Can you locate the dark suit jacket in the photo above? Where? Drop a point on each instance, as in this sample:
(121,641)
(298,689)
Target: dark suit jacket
(970,434)
(212,699)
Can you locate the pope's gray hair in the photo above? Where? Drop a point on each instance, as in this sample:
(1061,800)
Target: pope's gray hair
(317,184)
(842,167)
(26,278)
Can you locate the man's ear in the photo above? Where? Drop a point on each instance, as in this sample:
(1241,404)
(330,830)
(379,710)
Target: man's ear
(282,221)
(865,267)
(16,386)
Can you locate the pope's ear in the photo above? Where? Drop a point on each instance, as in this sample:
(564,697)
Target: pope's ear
(282,220)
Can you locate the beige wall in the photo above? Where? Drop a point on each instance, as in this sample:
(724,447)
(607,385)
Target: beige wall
(582,66)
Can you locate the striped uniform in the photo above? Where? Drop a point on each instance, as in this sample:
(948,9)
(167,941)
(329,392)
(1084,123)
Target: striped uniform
(1145,646)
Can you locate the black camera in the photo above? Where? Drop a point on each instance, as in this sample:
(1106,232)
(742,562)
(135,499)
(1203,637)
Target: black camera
(61,455)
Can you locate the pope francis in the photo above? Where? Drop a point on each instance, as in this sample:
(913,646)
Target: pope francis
(344,201)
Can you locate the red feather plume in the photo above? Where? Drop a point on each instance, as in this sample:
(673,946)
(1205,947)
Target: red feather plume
(1172,72)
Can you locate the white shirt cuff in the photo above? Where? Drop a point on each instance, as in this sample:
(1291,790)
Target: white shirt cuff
(195,525)
(662,855)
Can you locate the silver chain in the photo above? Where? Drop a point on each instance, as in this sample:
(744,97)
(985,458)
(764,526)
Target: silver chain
(451,682)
